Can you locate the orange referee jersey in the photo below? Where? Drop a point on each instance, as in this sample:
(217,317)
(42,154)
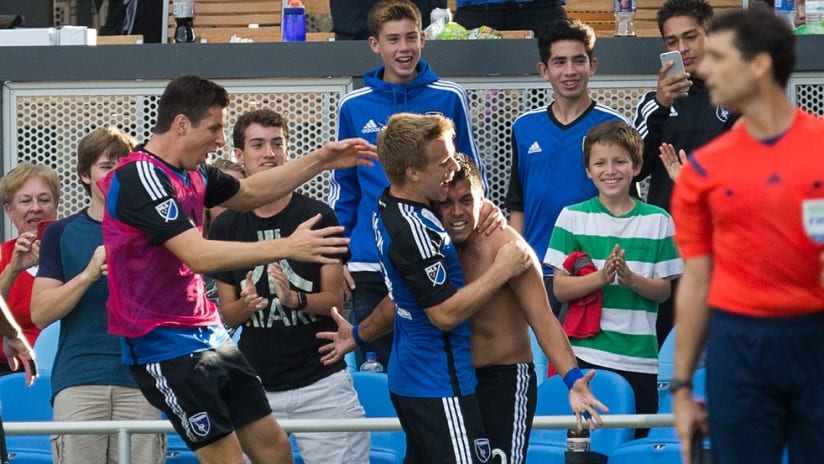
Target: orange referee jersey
(758,210)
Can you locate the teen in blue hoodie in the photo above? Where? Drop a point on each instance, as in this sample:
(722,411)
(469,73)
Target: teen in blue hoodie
(404,83)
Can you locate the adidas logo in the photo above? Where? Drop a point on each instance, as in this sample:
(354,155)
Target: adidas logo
(370,128)
(534,148)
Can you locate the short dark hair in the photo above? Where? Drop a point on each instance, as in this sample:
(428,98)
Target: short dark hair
(564,29)
(700,10)
(391,10)
(758,30)
(467,171)
(265,117)
(618,133)
(191,96)
(109,141)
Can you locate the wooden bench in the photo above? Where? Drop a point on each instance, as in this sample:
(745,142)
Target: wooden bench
(223,18)
(120,39)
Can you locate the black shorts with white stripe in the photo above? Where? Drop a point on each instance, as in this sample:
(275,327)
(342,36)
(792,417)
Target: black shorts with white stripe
(443,430)
(206,395)
(508,395)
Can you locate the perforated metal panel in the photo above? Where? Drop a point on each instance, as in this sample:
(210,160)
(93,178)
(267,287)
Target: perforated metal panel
(495,105)
(809,94)
(42,123)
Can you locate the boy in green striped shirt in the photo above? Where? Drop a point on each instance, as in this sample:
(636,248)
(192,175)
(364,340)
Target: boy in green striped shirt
(631,244)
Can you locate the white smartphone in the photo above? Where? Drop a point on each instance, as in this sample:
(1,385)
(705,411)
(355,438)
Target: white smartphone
(677,67)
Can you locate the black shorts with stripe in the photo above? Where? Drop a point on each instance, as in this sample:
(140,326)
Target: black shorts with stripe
(508,395)
(443,430)
(206,395)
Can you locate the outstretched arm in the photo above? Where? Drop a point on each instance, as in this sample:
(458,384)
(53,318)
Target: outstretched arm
(272,184)
(529,290)
(378,323)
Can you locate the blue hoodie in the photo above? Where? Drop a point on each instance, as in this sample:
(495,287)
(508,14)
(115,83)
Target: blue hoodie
(363,113)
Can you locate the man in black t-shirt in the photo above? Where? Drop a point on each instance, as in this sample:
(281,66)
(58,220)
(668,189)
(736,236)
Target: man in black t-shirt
(283,304)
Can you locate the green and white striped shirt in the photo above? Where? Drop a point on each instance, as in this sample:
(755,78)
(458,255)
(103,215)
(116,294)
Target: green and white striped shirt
(627,340)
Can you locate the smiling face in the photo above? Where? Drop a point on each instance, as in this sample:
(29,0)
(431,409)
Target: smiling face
(263,148)
(98,171)
(30,204)
(685,34)
(432,181)
(399,45)
(202,138)
(460,210)
(611,170)
(568,69)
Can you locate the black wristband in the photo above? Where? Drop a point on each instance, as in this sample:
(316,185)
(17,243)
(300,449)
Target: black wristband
(302,302)
(678,384)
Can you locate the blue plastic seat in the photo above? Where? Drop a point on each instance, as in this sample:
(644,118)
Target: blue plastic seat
(666,358)
(373,393)
(45,347)
(661,446)
(548,445)
(26,404)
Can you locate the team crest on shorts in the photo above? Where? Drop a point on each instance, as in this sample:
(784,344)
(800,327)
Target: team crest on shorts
(483,449)
(200,424)
(436,273)
(167,210)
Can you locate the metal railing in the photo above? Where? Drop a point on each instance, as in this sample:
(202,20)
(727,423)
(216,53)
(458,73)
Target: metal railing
(125,429)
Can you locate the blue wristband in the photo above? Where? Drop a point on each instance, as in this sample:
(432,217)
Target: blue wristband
(356,336)
(572,376)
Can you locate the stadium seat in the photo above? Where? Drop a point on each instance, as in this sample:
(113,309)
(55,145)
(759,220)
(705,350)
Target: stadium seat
(23,457)
(666,358)
(373,393)
(661,446)
(548,445)
(45,347)
(20,403)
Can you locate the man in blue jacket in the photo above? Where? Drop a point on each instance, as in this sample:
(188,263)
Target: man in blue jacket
(404,83)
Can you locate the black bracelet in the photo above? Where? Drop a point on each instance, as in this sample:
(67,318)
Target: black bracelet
(678,384)
(302,302)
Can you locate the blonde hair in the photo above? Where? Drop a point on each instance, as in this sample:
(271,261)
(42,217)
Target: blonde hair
(14,180)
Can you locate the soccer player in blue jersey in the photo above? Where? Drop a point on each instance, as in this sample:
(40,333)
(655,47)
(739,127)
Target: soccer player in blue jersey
(431,379)
(547,168)
(403,83)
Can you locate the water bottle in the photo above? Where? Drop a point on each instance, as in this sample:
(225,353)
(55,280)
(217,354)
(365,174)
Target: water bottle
(785,9)
(815,11)
(294,22)
(624,18)
(578,442)
(184,13)
(438,19)
(371,364)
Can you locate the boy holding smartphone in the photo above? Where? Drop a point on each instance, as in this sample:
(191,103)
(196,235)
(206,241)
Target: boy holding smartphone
(678,115)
